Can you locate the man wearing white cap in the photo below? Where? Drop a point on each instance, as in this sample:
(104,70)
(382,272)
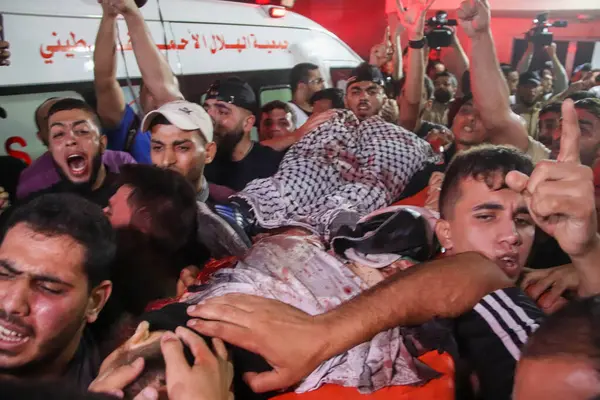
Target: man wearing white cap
(182,140)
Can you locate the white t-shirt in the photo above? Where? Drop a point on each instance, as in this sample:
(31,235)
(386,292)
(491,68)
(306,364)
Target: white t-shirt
(301,116)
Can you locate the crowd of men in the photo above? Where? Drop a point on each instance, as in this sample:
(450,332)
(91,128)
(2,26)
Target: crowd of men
(416,233)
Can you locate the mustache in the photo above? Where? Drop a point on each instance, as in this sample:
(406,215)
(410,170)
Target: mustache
(363,103)
(11,319)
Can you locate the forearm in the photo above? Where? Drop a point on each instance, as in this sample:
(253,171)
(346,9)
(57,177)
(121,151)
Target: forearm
(111,102)
(434,289)
(589,270)
(561,81)
(156,73)
(525,61)
(284,142)
(491,95)
(398,66)
(409,101)
(461,62)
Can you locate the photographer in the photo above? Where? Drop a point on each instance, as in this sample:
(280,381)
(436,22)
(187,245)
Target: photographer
(555,71)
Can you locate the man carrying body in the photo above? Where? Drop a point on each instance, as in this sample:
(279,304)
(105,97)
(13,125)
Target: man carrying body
(306,80)
(500,221)
(54,268)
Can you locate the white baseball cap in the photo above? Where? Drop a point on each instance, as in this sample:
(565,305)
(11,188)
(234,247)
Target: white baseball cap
(184,115)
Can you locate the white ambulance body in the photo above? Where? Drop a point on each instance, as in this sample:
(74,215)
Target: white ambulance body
(52,44)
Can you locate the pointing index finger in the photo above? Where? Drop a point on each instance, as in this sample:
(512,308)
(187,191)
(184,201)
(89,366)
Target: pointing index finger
(571,134)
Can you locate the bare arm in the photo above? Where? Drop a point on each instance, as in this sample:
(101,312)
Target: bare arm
(561,81)
(295,343)
(460,61)
(490,91)
(111,102)
(398,66)
(410,100)
(525,61)
(156,73)
(284,142)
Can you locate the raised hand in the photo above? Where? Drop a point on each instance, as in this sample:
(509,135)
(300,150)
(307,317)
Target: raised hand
(413,17)
(474,16)
(547,286)
(119,6)
(551,50)
(291,341)
(560,194)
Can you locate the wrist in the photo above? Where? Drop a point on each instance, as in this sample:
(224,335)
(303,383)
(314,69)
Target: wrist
(484,34)
(133,13)
(325,336)
(589,255)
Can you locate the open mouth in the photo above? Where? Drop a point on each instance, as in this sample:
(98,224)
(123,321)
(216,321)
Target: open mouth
(10,337)
(77,164)
(509,264)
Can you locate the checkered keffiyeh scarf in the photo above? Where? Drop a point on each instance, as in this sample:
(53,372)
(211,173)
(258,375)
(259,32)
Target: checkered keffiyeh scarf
(343,165)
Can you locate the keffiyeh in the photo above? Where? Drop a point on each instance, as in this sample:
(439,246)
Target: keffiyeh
(343,165)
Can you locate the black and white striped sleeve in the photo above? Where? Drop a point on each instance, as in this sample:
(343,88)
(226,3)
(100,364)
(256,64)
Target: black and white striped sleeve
(490,338)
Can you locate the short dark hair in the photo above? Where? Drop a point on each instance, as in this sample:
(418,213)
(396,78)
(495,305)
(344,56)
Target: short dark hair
(554,107)
(71,215)
(168,198)
(447,74)
(300,74)
(507,69)
(591,105)
(37,110)
(279,105)
(335,95)
(483,163)
(74,104)
(571,331)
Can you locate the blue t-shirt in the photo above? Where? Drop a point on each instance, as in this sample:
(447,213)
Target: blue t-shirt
(117,137)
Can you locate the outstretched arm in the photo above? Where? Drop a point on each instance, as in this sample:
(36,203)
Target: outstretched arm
(295,343)
(410,100)
(156,73)
(490,92)
(111,102)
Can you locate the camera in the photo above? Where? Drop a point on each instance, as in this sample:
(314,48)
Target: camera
(439,34)
(140,3)
(540,35)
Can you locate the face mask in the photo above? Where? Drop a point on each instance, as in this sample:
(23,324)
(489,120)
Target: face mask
(442,96)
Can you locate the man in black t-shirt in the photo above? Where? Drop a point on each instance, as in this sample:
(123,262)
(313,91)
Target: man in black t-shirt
(239,160)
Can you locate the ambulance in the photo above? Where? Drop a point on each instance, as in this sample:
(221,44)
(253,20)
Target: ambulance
(52,45)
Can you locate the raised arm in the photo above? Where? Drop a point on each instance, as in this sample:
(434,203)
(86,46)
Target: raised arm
(295,343)
(490,91)
(460,61)
(111,102)
(410,100)
(525,61)
(156,73)
(561,81)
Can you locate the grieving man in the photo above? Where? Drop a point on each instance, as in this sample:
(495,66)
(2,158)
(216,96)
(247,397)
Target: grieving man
(54,280)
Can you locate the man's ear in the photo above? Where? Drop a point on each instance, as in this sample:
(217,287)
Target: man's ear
(211,152)
(444,234)
(142,220)
(249,123)
(98,298)
(103,143)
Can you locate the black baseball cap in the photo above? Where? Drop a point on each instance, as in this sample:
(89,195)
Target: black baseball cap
(366,73)
(530,78)
(233,91)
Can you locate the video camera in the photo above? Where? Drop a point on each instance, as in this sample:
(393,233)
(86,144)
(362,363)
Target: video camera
(440,35)
(539,35)
(140,3)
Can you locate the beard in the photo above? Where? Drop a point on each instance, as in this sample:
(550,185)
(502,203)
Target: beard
(227,142)
(82,187)
(442,96)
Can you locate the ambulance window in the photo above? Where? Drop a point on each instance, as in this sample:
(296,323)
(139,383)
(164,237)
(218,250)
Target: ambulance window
(272,93)
(339,77)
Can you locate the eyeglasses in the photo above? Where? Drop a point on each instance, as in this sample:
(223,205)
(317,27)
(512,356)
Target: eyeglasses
(317,81)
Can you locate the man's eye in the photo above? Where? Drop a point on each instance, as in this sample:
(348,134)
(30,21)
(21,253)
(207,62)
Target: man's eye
(523,221)
(57,135)
(156,148)
(484,217)
(49,288)
(183,148)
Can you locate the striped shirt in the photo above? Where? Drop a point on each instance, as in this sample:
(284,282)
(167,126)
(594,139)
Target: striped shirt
(490,337)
